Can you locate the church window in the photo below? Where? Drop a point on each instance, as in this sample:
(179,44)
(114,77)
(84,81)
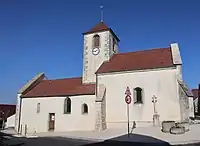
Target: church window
(38,107)
(138,95)
(67,106)
(84,109)
(113,47)
(96,41)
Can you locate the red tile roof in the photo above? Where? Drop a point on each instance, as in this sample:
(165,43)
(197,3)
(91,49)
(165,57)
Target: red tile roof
(101,27)
(98,27)
(61,87)
(195,93)
(7,110)
(146,59)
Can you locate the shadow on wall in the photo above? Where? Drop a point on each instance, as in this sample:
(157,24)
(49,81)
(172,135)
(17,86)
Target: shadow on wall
(133,139)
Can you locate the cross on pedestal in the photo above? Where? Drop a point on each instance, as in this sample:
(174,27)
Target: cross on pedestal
(156,121)
(154,100)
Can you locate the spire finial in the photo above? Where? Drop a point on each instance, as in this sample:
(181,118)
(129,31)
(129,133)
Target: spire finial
(101,7)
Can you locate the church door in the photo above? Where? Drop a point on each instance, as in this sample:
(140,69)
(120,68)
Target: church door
(51,121)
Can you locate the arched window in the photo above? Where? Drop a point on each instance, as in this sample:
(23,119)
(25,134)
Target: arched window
(138,95)
(67,106)
(38,107)
(96,41)
(113,47)
(84,109)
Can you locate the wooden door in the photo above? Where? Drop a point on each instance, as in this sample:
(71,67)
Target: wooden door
(51,121)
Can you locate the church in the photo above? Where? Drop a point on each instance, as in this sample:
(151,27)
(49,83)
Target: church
(96,100)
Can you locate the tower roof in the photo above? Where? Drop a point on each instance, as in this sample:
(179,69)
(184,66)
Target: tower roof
(101,27)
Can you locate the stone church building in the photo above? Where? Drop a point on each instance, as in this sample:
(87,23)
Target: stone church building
(96,101)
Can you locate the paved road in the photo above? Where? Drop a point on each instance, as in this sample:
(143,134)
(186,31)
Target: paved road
(123,140)
(58,141)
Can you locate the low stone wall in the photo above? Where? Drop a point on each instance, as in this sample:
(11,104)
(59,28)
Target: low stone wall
(124,124)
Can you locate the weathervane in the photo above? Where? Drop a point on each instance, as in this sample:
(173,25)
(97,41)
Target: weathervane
(101,7)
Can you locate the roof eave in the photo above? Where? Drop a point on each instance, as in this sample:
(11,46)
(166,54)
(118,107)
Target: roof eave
(117,71)
(61,95)
(108,29)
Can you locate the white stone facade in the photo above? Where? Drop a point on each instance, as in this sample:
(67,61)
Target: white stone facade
(75,121)
(10,122)
(160,82)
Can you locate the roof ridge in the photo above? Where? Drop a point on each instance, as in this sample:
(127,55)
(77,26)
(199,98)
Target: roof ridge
(62,79)
(147,50)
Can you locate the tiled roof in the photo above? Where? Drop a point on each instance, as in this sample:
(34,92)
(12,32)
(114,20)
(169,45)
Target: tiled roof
(98,27)
(195,93)
(61,87)
(146,59)
(7,110)
(101,27)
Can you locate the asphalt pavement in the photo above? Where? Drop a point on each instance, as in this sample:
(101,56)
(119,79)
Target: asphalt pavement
(123,140)
(59,141)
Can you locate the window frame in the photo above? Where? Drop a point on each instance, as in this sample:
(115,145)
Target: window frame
(113,45)
(94,42)
(67,106)
(84,109)
(38,108)
(141,98)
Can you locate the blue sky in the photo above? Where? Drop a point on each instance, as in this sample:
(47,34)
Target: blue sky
(46,35)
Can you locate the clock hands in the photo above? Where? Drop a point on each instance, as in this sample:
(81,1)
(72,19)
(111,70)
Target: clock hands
(95,51)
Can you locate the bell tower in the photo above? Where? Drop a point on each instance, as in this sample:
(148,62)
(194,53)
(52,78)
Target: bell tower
(100,43)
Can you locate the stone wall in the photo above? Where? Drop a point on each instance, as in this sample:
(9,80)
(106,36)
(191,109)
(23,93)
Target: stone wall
(184,105)
(100,106)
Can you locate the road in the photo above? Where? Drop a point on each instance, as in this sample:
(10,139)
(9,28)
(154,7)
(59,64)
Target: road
(55,141)
(61,141)
(58,141)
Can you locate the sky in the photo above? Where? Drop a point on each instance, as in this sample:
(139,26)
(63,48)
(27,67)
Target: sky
(46,35)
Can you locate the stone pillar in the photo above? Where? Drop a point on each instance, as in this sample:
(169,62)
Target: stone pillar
(156,121)
(177,59)
(100,123)
(100,106)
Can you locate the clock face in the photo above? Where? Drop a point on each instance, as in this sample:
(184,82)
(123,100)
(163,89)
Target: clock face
(95,51)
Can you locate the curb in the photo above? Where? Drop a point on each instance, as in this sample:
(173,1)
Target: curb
(185,142)
(28,136)
(84,138)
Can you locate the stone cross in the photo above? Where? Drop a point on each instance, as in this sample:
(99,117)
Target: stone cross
(154,100)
